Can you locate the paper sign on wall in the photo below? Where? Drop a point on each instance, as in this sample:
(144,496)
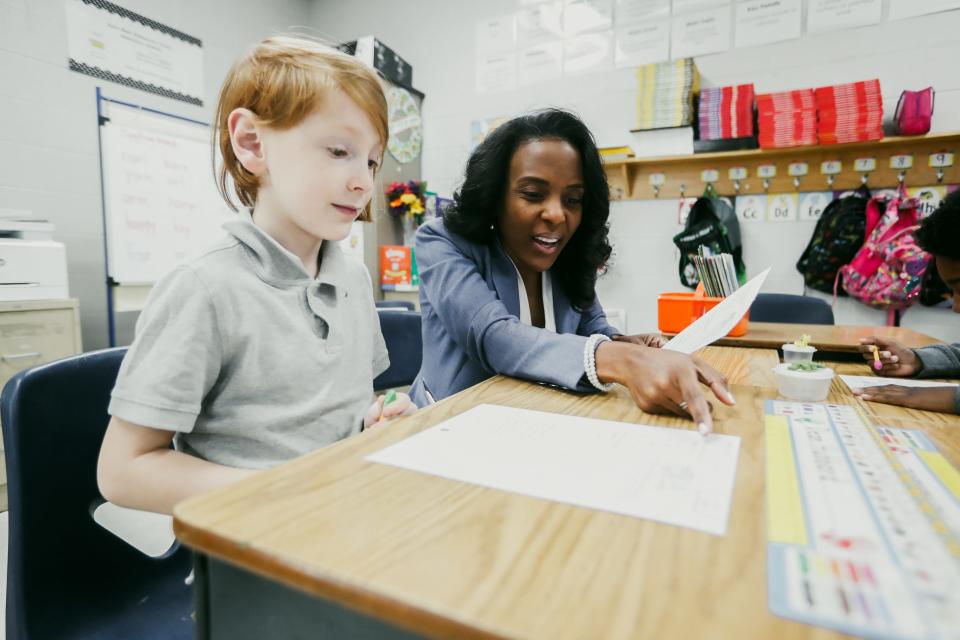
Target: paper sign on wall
(752,208)
(111,43)
(539,63)
(588,52)
(813,203)
(629,12)
(641,44)
(830,15)
(496,72)
(765,21)
(782,207)
(496,35)
(700,33)
(581,16)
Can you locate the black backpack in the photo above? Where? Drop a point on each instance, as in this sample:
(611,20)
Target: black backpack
(835,240)
(711,223)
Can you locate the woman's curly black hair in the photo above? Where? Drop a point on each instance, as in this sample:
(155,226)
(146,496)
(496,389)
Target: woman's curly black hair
(479,201)
(939,233)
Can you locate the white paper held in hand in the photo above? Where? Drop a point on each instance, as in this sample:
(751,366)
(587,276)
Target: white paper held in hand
(718,322)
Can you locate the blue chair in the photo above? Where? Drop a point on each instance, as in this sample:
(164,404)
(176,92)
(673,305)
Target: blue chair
(67,577)
(405,305)
(784,307)
(402,333)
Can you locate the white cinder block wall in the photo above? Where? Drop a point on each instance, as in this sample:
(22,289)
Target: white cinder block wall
(48,120)
(438,39)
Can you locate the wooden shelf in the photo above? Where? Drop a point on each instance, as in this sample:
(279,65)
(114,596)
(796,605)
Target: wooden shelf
(630,179)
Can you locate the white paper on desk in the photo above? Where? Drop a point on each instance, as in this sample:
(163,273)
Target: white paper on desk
(670,475)
(718,322)
(860,382)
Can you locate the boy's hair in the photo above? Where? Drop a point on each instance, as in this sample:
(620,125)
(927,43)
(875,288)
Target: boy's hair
(282,80)
(939,233)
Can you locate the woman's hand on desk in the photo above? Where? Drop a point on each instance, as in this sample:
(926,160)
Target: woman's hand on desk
(663,381)
(897,360)
(939,399)
(378,413)
(654,340)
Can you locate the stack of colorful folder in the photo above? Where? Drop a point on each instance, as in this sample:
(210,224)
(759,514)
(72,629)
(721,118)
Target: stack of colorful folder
(665,94)
(850,112)
(726,112)
(787,119)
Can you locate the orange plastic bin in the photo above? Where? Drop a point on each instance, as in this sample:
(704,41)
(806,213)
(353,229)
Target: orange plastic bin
(676,311)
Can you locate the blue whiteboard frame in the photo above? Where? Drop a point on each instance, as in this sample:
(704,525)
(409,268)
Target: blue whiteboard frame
(102,120)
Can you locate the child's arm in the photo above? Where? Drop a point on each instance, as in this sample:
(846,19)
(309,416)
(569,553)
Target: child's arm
(941,399)
(138,469)
(939,360)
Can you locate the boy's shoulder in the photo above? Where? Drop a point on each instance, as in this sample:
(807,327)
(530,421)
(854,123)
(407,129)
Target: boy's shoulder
(219,262)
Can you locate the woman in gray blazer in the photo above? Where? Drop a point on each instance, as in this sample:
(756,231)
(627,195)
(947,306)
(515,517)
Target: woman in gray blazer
(508,275)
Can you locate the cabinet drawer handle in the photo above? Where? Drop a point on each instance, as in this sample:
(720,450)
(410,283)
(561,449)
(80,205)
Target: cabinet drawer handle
(20,356)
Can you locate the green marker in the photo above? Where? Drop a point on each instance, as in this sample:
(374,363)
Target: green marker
(391,396)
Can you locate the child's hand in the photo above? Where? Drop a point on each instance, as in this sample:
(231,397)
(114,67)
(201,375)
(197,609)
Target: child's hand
(897,360)
(654,340)
(377,413)
(940,399)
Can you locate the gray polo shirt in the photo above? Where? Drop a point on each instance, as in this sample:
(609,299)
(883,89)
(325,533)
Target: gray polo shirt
(250,360)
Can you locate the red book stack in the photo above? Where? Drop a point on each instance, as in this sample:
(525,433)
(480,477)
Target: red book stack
(850,112)
(787,119)
(726,112)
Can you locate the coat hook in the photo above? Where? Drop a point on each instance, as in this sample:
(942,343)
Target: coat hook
(736,186)
(766,184)
(863,179)
(656,191)
(940,174)
(901,177)
(830,180)
(796,182)
(683,189)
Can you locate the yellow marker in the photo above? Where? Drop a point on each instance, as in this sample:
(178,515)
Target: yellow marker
(877,365)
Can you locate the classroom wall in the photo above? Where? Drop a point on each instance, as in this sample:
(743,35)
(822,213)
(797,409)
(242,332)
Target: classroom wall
(438,39)
(48,119)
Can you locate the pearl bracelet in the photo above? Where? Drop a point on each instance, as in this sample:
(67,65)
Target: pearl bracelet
(590,361)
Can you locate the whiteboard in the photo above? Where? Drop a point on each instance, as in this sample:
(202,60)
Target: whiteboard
(160,198)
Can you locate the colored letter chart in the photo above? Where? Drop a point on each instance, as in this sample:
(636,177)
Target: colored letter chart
(863,525)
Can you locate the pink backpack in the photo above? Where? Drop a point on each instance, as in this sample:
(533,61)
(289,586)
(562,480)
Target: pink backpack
(914,112)
(888,270)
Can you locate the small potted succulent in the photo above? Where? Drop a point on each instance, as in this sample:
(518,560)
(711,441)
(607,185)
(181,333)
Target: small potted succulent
(804,381)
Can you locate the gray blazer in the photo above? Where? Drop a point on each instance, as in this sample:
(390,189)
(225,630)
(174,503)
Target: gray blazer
(469,301)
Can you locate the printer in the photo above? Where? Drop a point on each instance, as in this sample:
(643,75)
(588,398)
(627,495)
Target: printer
(32,265)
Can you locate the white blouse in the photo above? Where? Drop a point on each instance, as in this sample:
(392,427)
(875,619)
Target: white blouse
(549,322)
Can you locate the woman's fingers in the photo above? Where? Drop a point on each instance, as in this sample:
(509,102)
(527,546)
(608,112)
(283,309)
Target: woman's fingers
(715,380)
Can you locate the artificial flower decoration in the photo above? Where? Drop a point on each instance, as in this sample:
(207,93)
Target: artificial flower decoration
(407,200)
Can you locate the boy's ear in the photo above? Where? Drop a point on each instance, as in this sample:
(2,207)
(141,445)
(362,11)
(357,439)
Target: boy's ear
(246,141)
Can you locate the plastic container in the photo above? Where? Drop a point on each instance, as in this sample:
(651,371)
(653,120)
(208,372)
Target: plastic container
(806,386)
(677,311)
(792,353)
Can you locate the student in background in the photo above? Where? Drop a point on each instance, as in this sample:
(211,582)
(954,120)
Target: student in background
(265,347)
(939,235)
(507,278)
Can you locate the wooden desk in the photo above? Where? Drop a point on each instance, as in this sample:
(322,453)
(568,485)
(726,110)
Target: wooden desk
(830,338)
(331,543)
